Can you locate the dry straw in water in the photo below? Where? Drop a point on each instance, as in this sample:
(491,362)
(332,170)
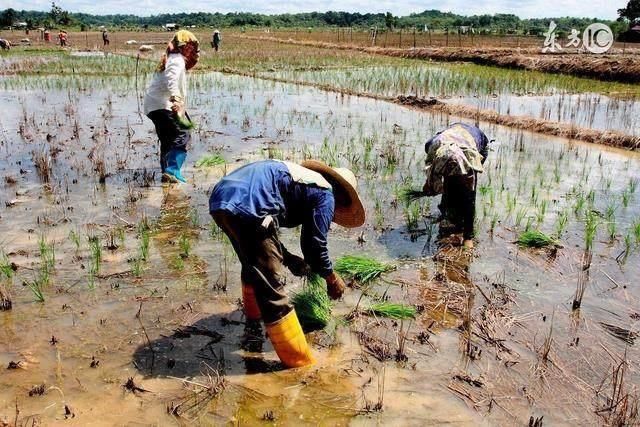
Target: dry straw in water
(362,269)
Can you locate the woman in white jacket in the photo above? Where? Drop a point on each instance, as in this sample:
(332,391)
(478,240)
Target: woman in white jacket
(165,103)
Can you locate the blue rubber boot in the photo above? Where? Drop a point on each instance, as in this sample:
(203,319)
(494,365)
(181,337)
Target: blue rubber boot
(175,160)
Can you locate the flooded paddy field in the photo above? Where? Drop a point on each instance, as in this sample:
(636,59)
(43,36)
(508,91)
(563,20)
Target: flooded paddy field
(113,276)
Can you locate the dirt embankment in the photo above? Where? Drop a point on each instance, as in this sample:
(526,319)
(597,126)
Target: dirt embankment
(531,124)
(615,67)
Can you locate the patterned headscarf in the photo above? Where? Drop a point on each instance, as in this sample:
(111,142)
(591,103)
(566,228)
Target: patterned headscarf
(180,38)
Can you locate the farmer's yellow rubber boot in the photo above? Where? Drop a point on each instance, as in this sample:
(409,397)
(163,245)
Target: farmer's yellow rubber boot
(289,342)
(251,309)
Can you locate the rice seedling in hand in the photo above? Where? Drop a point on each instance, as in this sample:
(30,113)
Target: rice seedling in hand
(535,239)
(184,121)
(313,305)
(408,195)
(362,269)
(209,160)
(392,310)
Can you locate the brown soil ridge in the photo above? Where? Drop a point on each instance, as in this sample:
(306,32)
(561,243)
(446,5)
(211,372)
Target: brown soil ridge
(563,130)
(620,68)
(531,124)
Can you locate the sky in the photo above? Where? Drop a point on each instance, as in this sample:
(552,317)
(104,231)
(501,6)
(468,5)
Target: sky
(602,9)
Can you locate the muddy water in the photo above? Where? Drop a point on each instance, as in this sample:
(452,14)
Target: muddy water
(580,102)
(174,315)
(590,110)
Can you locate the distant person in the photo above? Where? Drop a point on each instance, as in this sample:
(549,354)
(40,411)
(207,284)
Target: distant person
(4,44)
(62,37)
(105,38)
(455,156)
(47,36)
(215,42)
(165,103)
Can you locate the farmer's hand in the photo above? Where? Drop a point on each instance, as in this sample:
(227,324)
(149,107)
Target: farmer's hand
(335,285)
(296,265)
(468,244)
(177,105)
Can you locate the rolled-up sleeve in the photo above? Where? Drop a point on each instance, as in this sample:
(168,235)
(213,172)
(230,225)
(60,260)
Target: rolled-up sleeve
(315,228)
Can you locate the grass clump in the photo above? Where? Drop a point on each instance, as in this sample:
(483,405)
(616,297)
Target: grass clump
(312,305)
(535,239)
(392,310)
(209,160)
(362,269)
(6,268)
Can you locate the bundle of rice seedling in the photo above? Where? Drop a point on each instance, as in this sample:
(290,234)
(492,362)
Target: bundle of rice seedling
(408,195)
(392,310)
(362,269)
(535,239)
(184,121)
(312,305)
(209,160)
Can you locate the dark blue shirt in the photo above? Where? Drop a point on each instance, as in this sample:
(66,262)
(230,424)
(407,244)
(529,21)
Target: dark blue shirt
(266,188)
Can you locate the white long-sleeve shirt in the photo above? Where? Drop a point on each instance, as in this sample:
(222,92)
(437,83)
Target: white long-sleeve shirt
(165,84)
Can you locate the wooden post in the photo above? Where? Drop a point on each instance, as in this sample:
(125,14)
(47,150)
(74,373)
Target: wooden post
(350,34)
(386,34)
(430,41)
(400,42)
(414,37)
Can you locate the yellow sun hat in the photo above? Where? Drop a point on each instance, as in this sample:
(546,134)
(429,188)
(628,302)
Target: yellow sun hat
(183,37)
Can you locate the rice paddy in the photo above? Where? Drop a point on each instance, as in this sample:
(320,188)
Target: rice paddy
(100,262)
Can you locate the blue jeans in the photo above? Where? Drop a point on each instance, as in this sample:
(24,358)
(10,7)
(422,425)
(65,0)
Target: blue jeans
(170,134)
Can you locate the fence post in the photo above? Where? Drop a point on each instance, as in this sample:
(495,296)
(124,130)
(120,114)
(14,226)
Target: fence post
(400,42)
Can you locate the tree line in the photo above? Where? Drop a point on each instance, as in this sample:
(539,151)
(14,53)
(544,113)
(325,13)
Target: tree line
(429,19)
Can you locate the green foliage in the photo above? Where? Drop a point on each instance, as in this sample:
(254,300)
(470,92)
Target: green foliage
(5,266)
(392,310)
(312,305)
(631,12)
(500,23)
(535,239)
(185,246)
(184,122)
(362,269)
(209,160)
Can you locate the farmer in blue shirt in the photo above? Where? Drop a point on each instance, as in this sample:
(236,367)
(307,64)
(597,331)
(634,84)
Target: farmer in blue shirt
(250,204)
(455,156)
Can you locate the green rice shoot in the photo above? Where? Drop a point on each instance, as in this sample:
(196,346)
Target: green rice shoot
(362,269)
(392,310)
(210,160)
(408,195)
(535,239)
(312,305)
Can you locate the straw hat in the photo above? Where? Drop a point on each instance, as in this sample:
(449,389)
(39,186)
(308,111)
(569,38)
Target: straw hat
(349,213)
